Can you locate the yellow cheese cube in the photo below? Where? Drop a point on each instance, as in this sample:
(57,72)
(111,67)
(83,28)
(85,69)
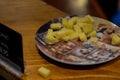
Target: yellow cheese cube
(93,39)
(87,28)
(74,19)
(115,39)
(71,22)
(92,34)
(70,25)
(89,19)
(65,22)
(83,37)
(65,38)
(50,37)
(44,72)
(63,32)
(86,19)
(50,32)
(74,36)
(55,26)
(77,28)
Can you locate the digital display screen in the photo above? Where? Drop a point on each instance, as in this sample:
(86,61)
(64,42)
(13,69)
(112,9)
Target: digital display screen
(11,46)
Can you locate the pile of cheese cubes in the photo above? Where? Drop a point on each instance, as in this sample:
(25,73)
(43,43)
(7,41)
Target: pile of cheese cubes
(71,29)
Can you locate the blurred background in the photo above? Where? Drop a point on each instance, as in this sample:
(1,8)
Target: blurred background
(111,8)
(107,9)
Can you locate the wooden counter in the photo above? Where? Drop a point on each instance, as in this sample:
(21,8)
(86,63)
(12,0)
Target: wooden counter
(26,17)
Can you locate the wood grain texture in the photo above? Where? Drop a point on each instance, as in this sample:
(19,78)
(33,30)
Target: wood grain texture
(26,17)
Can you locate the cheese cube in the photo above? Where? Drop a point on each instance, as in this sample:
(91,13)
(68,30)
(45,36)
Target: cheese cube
(44,72)
(93,39)
(55,26)
(50,37)
(115,39)
(87,28)
(92,34)
(83,37)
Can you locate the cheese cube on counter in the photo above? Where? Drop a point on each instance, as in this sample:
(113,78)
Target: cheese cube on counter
(44,72)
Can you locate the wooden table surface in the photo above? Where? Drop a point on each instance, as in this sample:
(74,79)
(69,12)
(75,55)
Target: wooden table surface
(26,17)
